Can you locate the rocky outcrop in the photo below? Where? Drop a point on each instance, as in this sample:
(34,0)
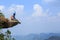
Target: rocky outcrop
(5,23)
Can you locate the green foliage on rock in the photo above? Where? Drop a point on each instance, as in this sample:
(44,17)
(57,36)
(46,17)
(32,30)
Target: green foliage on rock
(1,36)
(6,36)
(1,14)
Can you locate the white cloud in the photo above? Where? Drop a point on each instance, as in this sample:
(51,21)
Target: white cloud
(17,8)
(42,16)
(38,10)
(11,9)
(20,7)
(2,7)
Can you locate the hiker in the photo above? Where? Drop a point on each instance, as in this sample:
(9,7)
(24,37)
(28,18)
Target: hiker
(13,16)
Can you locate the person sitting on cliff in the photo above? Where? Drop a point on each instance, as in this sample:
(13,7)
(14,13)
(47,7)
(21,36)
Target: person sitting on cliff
(13,16)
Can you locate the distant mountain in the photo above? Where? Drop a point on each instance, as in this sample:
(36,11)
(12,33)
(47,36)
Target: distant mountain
(41,36)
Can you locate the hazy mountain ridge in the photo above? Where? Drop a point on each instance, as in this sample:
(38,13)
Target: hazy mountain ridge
(41,36)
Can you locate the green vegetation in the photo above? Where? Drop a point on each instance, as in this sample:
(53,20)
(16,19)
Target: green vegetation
(6,36)
(1,36)
(1,14)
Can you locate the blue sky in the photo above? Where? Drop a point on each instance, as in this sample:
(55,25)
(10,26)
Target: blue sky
(36,16)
